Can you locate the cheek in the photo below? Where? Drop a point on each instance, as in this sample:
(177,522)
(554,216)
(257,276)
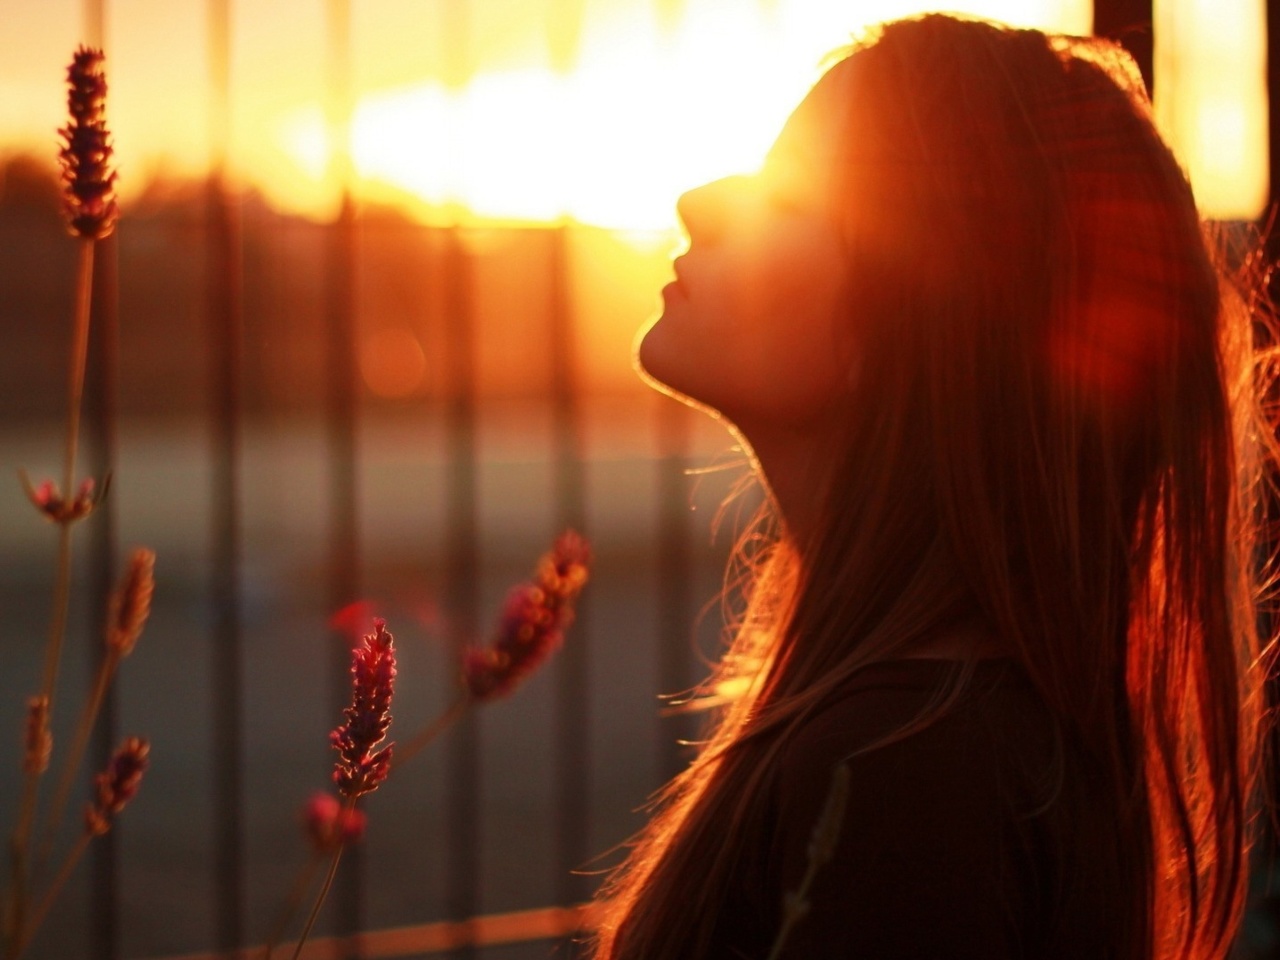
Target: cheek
(796,340)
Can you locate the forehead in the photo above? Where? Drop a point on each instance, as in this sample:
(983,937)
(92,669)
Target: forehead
(808,161)
(813,134)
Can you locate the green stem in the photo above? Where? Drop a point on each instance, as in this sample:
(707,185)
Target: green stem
(430,732)
(347,808)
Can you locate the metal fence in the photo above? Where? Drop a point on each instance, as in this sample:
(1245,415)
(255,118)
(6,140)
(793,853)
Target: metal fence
(292,493)
(233,671)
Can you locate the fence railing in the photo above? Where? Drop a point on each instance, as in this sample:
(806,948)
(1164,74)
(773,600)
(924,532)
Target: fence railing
(313,493)
(212,316)
(427,939)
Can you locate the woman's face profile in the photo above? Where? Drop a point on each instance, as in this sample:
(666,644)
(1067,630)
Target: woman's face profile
(750,327)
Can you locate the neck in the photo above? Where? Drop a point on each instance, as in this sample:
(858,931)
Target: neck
(795,466)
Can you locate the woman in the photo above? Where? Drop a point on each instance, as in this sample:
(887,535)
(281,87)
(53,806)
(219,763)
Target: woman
(1005,407)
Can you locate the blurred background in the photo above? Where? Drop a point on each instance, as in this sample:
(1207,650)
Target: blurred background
(362,346)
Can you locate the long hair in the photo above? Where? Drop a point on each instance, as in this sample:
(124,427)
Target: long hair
(1055,431)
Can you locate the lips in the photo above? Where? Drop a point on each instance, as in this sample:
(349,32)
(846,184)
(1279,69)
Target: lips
(679,283)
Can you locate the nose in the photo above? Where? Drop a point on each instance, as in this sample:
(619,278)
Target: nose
(705,210)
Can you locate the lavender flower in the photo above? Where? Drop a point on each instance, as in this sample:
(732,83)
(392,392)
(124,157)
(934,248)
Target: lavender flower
(328,825)
(116,785)
(48,499)
(89,196)
(533,621)
(38,742)
(131,602)
(360,769)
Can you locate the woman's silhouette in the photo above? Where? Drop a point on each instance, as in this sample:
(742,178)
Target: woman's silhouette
(1006,408)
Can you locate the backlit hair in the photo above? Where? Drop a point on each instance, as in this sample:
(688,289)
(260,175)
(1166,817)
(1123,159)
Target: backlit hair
(1056,432)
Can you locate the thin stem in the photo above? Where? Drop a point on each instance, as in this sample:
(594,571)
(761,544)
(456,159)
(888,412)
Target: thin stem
(791,917)
(822,846)
(300,885)
(794,911)
(88,717)
(62,587)
(79,357)
(75,392)
(349,806)
(21,942)
(431,731)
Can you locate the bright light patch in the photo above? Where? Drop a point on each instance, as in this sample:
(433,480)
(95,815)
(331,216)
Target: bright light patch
(306,138)
(1211,100)
(651,106)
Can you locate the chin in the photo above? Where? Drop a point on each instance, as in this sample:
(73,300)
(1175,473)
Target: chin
(657,362)
(646,354)
(657,359)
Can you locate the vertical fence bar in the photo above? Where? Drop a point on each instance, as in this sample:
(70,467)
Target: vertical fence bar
(341,401)
(224,314)
(462,580)
(573,773)
(462,787)
(101,391)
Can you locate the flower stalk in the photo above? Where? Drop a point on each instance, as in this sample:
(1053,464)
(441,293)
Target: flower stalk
(363,764)
(89,205)
(114,787)
(530,628)
(822,847)
(128,610)
(533,622)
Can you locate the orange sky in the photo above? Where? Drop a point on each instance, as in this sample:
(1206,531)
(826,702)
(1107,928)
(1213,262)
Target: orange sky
(661,95)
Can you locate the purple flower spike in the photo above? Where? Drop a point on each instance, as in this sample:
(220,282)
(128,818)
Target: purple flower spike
(360,769)
(89,199)
(116,785)
(131,602)
(533,622)
(38,740)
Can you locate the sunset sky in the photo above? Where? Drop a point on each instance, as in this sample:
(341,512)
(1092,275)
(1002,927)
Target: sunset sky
(645,98)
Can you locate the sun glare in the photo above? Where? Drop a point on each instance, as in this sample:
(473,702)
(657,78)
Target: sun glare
(650,107)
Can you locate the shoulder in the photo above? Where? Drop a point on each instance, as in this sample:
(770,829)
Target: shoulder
(996,728)
(931,847)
